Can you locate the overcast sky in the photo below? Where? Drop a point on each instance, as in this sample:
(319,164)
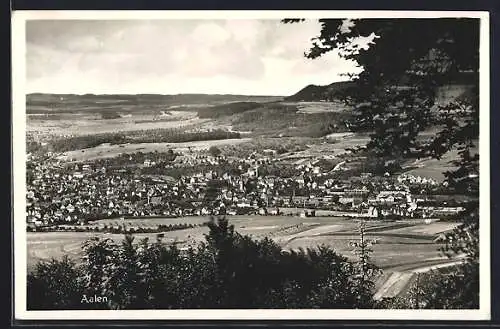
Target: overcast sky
(253,57)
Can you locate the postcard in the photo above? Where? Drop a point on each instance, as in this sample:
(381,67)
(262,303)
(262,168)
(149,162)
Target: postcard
(251,165)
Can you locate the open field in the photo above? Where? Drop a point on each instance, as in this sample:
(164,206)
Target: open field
(424,230)
(307,147)
(318,107)
(91,114)
(336,136)
(295,232)
(330,149)
(398,247)
(108,151)
(434,168)
(85,124)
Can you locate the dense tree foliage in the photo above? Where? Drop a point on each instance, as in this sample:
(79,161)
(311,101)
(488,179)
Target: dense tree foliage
(227,270)
(108,115)
(218,111)
(54,285)
(130,159)
(119,229)
(405,63)
(395,96)
(214,151)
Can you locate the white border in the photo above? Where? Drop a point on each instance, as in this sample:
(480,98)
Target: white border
(19,165)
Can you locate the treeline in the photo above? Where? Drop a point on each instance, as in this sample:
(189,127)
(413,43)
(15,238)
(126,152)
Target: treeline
(127,159)
(281,145)
(110,115)
(86,141)
(228,271)
(120,229)
(178,172)
(141,136)
(179,136)
(218,111)
(33,146)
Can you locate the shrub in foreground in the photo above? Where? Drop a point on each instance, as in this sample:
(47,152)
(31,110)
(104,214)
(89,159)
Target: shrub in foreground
(227,270)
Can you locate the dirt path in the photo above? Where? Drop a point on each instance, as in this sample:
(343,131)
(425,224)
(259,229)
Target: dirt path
(400,280)
(396,282)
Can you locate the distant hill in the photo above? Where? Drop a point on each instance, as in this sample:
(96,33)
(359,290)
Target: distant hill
(455,87)
(227,109)
(43,103)
(315,93)
(282,119)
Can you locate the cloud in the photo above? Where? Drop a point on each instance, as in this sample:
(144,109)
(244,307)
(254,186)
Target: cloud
(209,35)
(175,56)
(87,44)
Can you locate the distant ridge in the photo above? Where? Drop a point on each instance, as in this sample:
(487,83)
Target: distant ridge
(39,94)
(40,102)
(314,93)
(459,83)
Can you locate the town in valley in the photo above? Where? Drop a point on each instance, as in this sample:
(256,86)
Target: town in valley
(143,145)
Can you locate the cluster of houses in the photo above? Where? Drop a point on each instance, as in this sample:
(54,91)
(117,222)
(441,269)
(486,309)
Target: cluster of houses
(412,179)
(57,193)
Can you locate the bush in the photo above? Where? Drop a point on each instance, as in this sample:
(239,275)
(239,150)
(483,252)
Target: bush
(228,270)
(55,285)
(214,151)
(110,115)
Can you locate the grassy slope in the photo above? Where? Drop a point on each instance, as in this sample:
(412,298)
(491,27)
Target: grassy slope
(286,119)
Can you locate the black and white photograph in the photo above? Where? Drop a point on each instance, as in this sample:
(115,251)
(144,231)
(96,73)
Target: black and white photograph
(254,165)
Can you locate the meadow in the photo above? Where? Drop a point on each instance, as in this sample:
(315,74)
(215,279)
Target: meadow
(108,151)
(433,168)
(92,123)
(398,246)
(290,232)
